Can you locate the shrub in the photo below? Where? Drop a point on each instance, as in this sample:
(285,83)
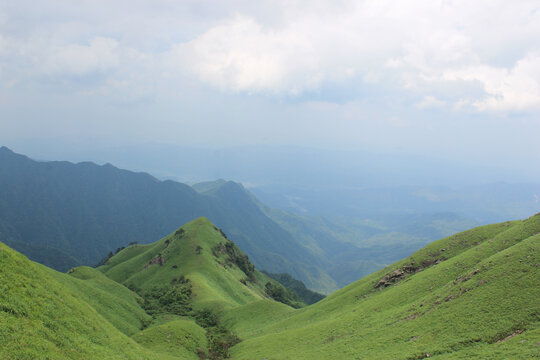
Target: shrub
(174,298)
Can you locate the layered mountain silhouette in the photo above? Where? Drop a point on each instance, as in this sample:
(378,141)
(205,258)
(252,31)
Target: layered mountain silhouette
(63,215)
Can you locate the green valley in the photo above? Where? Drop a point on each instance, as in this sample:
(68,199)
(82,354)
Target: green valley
(195,295)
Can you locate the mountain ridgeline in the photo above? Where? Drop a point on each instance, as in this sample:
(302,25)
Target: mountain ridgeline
(63,215)
(195,295)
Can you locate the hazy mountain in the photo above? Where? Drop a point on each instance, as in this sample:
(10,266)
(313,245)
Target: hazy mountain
(85,210)
(286,165)
(484,203)
(63,214)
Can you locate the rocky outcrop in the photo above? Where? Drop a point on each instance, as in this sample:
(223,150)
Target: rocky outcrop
(159,260)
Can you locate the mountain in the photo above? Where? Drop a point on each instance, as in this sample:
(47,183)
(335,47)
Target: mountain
(222,275)
(64,215)
(471,295)
(285,165)
(484,203)
(83,211)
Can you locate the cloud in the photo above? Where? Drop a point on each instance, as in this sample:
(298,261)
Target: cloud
(100,55)
(515,89)
(418,46)
(243,55)
(419,49)
(430,102)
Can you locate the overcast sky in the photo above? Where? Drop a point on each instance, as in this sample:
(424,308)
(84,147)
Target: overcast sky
(455,79)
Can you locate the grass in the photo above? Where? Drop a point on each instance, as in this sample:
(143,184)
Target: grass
(217,283)
(116,303)
(41,318)
(471,295)
(181,338)
(483,289)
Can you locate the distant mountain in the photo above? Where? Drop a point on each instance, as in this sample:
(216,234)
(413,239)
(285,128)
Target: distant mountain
(287,165)
(82,211)
(484,204)
(64,215)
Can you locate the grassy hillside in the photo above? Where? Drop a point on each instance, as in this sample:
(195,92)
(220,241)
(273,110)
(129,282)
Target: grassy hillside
(474,294)
(308,296)
(471,295)
(197,251)
(198,274)
(187,280)
(42,316)
(116,303)
(178,338)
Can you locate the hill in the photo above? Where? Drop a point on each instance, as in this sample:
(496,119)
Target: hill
(183,285)
(45,315)
(471,295)
(222,277)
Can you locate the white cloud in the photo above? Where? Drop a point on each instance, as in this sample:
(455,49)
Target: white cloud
(514,89)
(430,102)
(421,44)
(243,55)
(101,54)
(416,49)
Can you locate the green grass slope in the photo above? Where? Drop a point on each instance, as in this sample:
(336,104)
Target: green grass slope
(196,251)
(179,338)
(474,294)
(44,316)
(116,303)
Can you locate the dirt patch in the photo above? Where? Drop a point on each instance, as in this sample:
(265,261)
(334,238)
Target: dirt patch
(511,335)
(399,274)
(159,260)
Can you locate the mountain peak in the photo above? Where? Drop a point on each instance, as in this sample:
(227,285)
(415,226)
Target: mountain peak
(198,251)
(6,150)
(209,186)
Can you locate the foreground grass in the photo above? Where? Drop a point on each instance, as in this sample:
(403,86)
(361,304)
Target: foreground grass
(466,295)
(472,295)
(40,318)
(181,338)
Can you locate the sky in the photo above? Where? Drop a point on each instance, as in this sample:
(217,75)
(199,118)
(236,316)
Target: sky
(458,80)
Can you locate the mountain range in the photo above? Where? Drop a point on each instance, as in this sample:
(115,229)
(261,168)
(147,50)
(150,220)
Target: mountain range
(65,215)
(80,212)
